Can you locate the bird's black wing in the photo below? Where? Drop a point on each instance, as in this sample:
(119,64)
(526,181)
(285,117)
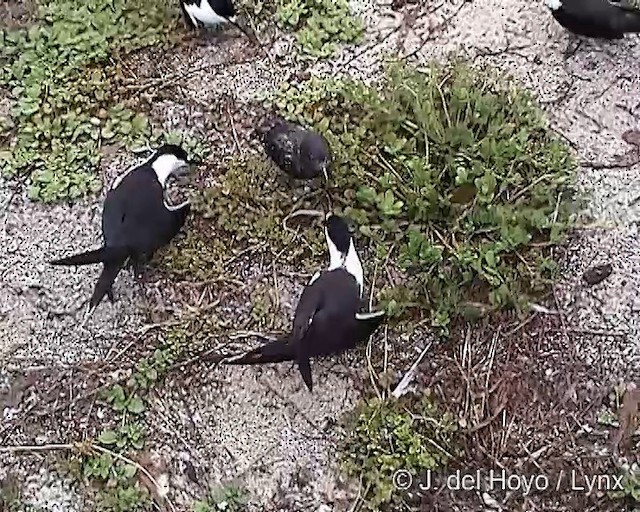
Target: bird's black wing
(600,17)
(185,14)
(223,7)
(135,215)
(335,294)
(103,287)
(322,318)
(627,5)
(309,304)
(319,326)
(273,351)
(629,18)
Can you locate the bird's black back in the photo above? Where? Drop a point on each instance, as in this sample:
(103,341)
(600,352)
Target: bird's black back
(597,18)
(332,301)
(221,7)
(135,216)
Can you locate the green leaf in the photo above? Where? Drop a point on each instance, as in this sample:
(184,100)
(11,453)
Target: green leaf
(129,471)
(201,506)
(140,123)
(366,195)
(116,394)
(107,437)
(135,405)
(388,204)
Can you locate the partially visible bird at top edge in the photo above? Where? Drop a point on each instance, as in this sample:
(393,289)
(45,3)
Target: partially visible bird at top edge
(303,154)
(136,219)
(327,319)
(596,18)
(211,14)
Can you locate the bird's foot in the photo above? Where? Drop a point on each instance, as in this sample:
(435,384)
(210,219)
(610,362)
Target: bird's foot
(313,185)
(569,52)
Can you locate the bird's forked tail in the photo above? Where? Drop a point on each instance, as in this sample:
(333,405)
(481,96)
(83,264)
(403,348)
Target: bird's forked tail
(273,351)
(113,259)
(276,351)
(102,255)
(105,281)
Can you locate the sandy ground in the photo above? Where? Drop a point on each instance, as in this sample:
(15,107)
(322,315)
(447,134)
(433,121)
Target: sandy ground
(259,425)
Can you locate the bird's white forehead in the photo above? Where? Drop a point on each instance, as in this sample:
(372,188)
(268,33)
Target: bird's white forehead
(554,5)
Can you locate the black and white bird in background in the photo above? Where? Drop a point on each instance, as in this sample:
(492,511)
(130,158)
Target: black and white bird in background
(211,14)
(328,318)
(596,18)
(301,153)
(136,219)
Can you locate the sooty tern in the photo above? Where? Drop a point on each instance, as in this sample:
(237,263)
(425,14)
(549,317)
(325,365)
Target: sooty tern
(327,319)
(596,18)
(136,219)
(212,13)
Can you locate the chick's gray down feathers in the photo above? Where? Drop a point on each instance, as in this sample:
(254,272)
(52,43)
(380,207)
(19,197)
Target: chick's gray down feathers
(301,153)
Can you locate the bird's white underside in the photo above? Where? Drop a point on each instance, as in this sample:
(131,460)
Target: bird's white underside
(165,165)
(554,5)
(350,262)
(203,13)
(173,208)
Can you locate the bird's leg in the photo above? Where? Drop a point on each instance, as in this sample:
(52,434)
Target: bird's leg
(289,181)
(217,33)
(141,274)
(570,53)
